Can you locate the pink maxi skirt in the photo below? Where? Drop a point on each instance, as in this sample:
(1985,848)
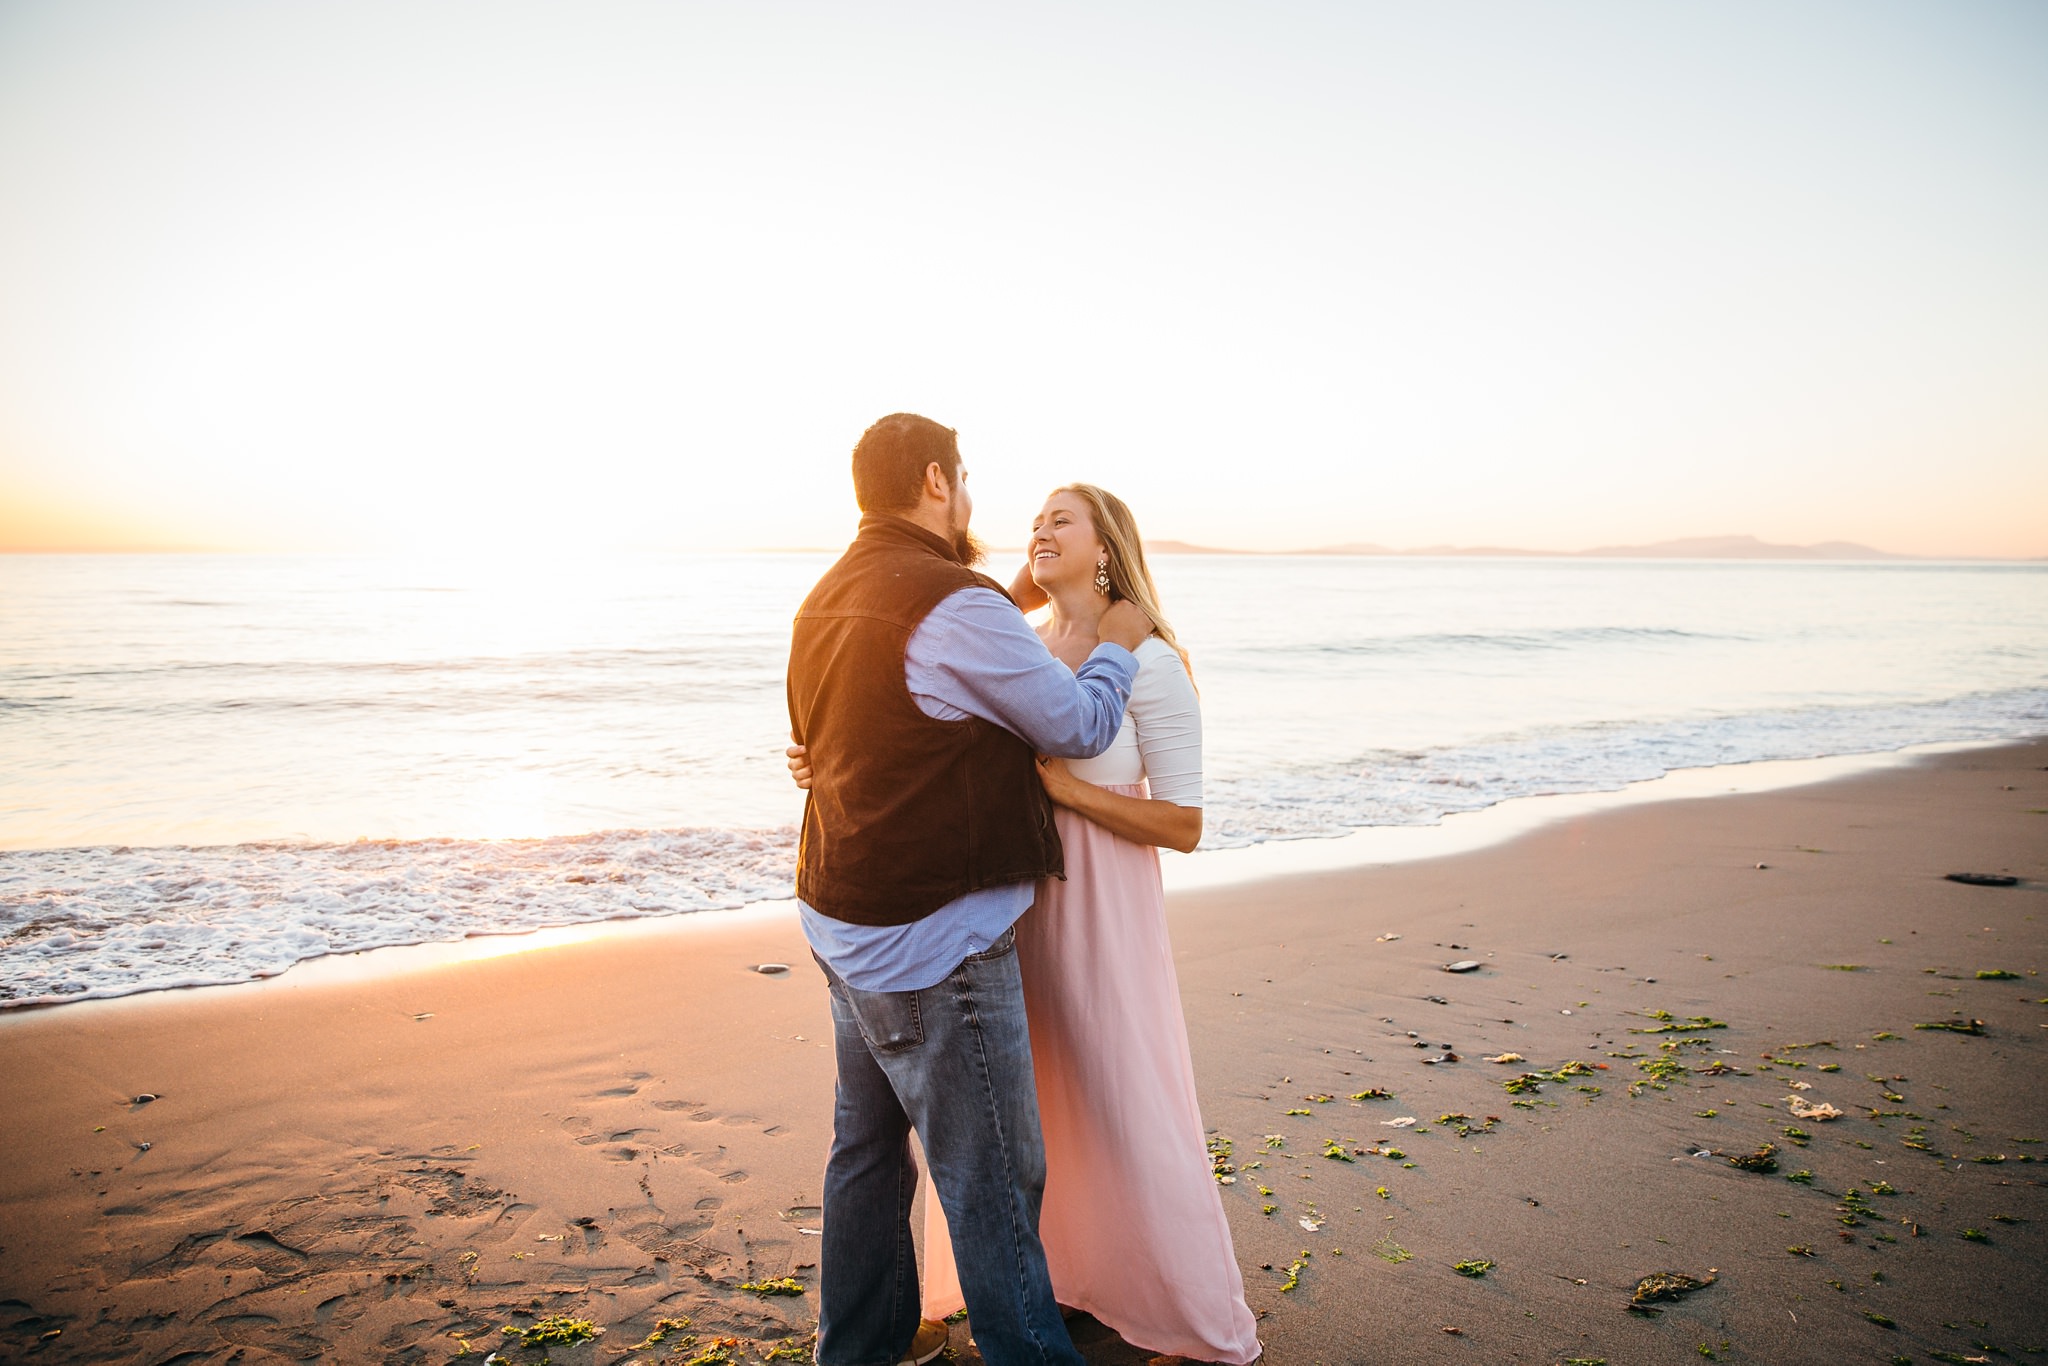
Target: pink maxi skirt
(1133,1223)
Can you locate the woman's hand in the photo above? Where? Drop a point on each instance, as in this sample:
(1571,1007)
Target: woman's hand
(799,765)
(1025,590)
(1060,783)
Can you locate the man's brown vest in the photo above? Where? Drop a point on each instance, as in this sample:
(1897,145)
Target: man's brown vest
(906,813)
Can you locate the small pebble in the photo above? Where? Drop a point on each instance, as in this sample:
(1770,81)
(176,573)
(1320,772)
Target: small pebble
(770,969)
(145,1098)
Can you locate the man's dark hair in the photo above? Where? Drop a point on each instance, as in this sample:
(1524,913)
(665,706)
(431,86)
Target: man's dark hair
(890,461)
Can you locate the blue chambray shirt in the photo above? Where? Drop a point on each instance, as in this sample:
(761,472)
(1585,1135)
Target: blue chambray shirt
(975,655)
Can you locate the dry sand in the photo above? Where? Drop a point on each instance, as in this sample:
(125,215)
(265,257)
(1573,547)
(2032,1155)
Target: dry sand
(629,1128)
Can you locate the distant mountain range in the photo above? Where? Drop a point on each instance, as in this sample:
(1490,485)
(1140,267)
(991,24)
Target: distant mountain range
(1686,548)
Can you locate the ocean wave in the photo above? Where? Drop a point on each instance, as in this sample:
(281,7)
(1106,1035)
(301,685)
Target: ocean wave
(79,924)
(1422,787)
(1516,641)
(83,923)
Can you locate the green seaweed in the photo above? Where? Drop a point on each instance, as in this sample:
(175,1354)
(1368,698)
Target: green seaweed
(1387,1250)
(1955,1026)
(1997,975)
(662,1328)
(781,1285)
(1219,1160)
(1658,1073)
(1476,1268)
(556,1330)
(1671,1025)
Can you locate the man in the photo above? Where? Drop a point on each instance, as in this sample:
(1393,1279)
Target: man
(920,694)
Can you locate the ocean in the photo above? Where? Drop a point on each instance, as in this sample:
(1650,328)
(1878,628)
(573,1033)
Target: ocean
(213,767)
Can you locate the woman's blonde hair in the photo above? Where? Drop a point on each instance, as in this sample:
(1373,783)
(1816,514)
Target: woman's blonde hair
(1129,576)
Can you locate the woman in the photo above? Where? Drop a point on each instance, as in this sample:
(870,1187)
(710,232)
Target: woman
(1132,1223)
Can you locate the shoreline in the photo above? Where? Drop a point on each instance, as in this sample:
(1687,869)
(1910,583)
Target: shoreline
(1370,846)
(626,1128)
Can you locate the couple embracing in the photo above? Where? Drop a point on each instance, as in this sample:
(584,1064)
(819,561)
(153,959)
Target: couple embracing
(978,877)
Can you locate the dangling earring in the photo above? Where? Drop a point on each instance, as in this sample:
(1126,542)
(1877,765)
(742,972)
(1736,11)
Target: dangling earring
(1102,577)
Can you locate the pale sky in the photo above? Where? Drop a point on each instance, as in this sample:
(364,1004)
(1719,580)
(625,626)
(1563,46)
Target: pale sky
(548,277)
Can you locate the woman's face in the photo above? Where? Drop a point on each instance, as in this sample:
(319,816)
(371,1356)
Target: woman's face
(1064,547)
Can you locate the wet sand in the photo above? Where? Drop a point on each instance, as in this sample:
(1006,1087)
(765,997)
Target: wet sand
(631,1128)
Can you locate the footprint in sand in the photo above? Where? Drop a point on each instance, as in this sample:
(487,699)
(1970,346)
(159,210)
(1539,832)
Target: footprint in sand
(512,1216)
(630,1086)
(679,1105)
(733,1178)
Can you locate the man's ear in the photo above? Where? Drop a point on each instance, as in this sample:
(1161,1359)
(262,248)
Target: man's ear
(936,486)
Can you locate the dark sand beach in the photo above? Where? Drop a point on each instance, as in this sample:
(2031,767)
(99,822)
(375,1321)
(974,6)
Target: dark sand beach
(632,1128)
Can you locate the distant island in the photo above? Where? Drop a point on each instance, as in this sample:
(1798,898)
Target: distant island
(1685,548)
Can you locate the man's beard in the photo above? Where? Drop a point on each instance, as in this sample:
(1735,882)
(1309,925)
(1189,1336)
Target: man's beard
(968,549)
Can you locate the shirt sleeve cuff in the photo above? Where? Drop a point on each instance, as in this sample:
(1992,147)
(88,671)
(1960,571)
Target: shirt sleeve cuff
(1118,659)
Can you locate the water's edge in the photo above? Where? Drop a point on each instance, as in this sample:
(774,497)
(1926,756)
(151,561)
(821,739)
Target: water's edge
(1456,833)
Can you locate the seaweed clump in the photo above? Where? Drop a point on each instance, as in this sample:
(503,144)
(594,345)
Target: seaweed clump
(1762,1160)
(556,1330)
(1666,1285)
(781,1285)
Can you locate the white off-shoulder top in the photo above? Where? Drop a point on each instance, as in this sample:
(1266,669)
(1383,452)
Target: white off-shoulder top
(1160,742)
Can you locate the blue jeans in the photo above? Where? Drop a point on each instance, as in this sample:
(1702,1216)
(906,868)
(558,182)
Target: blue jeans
(953,1062)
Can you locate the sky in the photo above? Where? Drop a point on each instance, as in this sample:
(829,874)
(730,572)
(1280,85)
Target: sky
(552,280)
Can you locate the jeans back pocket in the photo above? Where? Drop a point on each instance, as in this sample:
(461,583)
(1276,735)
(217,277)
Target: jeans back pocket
(890,1021)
